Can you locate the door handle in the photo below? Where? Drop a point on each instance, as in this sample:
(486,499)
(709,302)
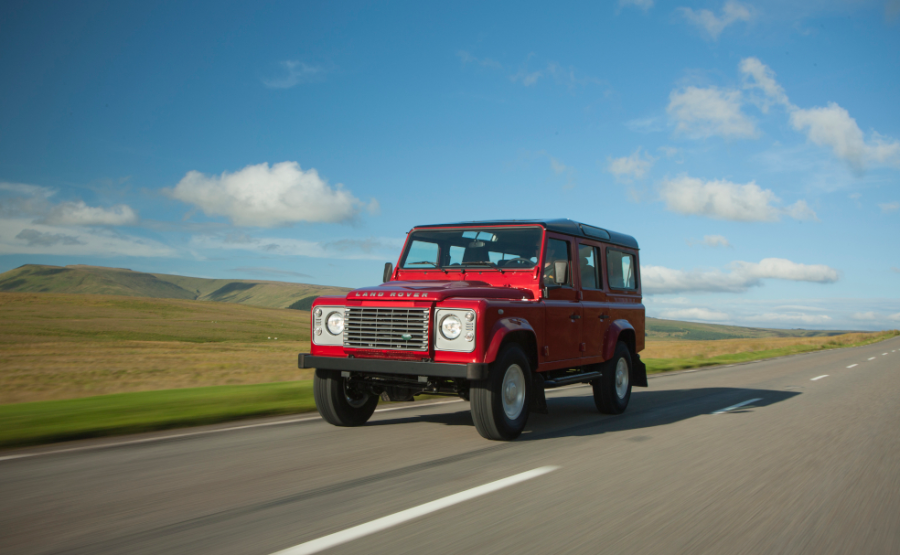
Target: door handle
(604,316)
(575,316)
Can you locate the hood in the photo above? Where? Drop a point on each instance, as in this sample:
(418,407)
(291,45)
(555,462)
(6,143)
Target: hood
(436,291)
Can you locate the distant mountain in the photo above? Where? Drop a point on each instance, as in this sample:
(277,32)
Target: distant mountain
(661,330)
(98,280)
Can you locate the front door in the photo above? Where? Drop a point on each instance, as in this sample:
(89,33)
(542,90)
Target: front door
(563,316)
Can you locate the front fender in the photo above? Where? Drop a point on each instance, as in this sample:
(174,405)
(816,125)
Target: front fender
(503,328)
(612,337)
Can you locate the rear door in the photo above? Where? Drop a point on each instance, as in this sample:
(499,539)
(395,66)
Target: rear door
(595,304)
(563,313)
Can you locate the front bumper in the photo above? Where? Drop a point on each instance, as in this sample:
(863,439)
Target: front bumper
(470,371)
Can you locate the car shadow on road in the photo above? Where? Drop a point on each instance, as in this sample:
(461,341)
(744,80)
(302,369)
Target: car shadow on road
(574,414)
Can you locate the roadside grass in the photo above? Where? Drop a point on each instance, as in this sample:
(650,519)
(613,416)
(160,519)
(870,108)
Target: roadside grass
(696,354)
(24,424)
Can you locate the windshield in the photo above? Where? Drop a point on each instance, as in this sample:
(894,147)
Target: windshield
(504,248)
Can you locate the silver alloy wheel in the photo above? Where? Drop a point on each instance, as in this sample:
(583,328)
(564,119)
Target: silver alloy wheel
(354,398)
(621,378)
(513,391)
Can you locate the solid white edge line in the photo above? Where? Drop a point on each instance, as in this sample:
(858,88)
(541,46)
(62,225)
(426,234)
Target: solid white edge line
(852,365)
(819,377)
(739,405)
(356,532)
(203,432)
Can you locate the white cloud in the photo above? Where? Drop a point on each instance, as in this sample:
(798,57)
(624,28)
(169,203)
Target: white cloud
(643,5)
(468,58)
(657,280)
(871,315)
(715,241)
(889,206)
(724,200)
(373,248)
(790,317)
(23,236)
(527,78)
(268,197)
(700,113)
(732,12)
(635,166)
(694,314)
(294,72)
(79,213)
(894,317)
(757,75)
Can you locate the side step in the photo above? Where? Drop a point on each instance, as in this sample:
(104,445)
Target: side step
(574,378)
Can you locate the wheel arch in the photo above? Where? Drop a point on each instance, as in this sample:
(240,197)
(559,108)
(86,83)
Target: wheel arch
(513,330)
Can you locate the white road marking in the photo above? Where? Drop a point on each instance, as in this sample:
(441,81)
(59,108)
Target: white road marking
(737,406)
(389,521)
(204,432)
(883,354)
(819,377)
(852,365)
(871,358)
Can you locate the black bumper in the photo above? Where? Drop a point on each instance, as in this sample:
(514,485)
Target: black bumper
(470,371)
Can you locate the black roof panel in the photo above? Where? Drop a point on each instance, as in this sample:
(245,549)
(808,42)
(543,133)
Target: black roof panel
(559,225)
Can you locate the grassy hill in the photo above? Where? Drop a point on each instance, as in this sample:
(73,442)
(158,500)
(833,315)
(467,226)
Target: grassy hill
(674,330)
(97,280)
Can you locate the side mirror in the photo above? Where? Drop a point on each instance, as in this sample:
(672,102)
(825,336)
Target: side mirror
(388,270)
(560,268)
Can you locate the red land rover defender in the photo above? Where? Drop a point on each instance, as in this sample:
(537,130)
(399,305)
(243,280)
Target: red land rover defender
(495,312)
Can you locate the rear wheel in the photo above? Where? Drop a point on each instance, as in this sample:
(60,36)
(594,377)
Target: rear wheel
(500,403)
(613,390)
(340,404)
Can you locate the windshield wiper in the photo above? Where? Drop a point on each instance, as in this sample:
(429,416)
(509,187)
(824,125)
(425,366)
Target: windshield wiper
(422,262)
(483,263)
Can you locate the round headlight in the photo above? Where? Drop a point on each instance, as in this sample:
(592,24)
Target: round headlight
(451,327)
(335,323)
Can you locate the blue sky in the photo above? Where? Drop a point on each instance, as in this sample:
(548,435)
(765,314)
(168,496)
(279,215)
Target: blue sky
(752,147)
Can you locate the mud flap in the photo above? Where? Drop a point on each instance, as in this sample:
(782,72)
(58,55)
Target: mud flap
(639,372)
(538,402)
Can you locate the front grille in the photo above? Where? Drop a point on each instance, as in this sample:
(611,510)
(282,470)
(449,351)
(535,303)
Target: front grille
(385,328)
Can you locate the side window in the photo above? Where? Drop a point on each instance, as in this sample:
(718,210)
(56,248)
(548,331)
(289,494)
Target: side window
(620,269)
(587,262)
(557,251)
(422,254)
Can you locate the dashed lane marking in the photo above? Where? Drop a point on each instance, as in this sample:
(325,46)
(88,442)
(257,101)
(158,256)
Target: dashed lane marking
(389,521)
(737,406)
(871,358)
(819,377)
(852,365)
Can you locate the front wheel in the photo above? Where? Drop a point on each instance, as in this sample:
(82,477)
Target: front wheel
(613,390)
(340,404)
(500,403)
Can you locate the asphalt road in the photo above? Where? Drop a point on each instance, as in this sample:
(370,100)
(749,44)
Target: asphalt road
(811,466)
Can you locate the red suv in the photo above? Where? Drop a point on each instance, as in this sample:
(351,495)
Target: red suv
(494,312)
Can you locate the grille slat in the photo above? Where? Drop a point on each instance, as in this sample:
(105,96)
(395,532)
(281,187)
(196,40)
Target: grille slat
(383,328)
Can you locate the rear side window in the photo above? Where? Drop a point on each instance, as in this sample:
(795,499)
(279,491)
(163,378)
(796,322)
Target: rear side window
(588,266)
(620,269)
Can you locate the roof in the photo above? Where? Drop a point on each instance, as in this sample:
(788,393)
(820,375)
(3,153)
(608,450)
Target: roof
(565,226)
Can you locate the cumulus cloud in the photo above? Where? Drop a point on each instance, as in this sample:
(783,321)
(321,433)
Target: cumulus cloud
(468,58)
(713,24)
(643,5)
(657,280)
(894,317)
(830,126)
(724,200)
(34,238)
(704,314)
(870,315)
(79,213)
(635,166)
(704,112)
(373,248)
(715,241)
(268,197)
(889,206)
(293,73)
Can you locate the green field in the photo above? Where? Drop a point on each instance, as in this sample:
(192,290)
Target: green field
(97,280)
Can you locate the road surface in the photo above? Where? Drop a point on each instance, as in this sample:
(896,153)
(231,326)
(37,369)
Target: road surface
(793,455)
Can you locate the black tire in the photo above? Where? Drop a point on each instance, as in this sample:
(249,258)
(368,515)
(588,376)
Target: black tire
(611,395)
(337,404)
(494,418)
